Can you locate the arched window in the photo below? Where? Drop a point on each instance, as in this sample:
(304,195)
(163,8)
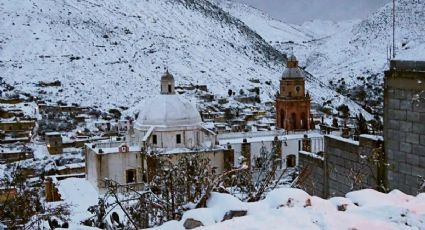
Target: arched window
(304,121)
(293,121)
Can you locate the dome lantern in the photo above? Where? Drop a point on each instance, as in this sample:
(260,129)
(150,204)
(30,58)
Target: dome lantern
(292,69)
(167,84)
(292,62)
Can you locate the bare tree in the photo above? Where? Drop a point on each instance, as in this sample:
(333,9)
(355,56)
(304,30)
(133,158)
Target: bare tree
(265,176)
(174,189)
(22,206)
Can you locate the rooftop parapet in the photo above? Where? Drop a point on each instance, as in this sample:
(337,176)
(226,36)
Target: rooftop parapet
(417,66)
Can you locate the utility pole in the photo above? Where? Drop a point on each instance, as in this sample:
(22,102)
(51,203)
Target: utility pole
(393,29)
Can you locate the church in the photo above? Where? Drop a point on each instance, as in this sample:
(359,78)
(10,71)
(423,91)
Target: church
(167,126)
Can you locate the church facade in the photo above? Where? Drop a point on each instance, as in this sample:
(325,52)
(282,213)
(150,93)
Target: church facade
(293,102)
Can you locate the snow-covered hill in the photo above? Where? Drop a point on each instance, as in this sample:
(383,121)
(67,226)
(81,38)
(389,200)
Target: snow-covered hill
(361,51)
(352,53)
(269,28)
(112,53)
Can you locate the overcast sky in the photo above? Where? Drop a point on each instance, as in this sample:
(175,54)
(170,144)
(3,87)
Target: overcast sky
(299,11)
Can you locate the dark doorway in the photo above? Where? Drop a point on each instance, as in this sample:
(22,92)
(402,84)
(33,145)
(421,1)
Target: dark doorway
(130,176)
(154,139)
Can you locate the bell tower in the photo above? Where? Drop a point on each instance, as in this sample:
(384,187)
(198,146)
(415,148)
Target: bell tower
(293,103)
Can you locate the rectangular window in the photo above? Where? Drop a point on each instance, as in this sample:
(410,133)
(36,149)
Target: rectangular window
(178,139)
(131,176)
(154,139)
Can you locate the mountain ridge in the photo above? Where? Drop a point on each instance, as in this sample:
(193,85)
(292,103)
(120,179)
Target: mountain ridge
(112,54)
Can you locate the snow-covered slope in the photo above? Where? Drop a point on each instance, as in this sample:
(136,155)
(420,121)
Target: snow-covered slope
(361,51)
(352,52)
(269,28)
(113,52)
(295,209)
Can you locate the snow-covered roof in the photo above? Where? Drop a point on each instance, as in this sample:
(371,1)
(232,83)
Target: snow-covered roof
(53,134)
(167,76)
(373,137)
(169,111)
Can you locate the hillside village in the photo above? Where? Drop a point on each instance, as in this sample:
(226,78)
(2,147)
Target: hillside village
(212,152)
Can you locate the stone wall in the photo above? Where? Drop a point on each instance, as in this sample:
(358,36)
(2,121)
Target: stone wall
(344,166)
(316,179)
(404,125)
(350,164)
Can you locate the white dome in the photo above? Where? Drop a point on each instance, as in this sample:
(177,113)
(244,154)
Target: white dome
(169,111)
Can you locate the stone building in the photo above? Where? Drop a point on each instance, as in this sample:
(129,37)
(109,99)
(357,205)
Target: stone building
(253,142)
(404,124)
(54,143)
(344,165)
(15,152)
(293,103)
(167,127)
(17,126)
(397,163)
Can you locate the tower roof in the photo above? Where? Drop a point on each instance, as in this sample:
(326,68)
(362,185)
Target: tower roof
(292,70)
(167,76)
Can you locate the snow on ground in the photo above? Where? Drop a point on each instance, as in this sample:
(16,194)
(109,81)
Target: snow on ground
(284,208)
(294,209)
(80,194)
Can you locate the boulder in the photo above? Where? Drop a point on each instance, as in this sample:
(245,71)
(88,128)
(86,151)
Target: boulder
(234,213)
(192,223)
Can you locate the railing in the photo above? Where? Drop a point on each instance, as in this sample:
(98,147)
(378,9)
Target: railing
(119,188)
(225,136)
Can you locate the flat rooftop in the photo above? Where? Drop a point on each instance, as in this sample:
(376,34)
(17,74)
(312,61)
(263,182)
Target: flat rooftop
(417,66)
